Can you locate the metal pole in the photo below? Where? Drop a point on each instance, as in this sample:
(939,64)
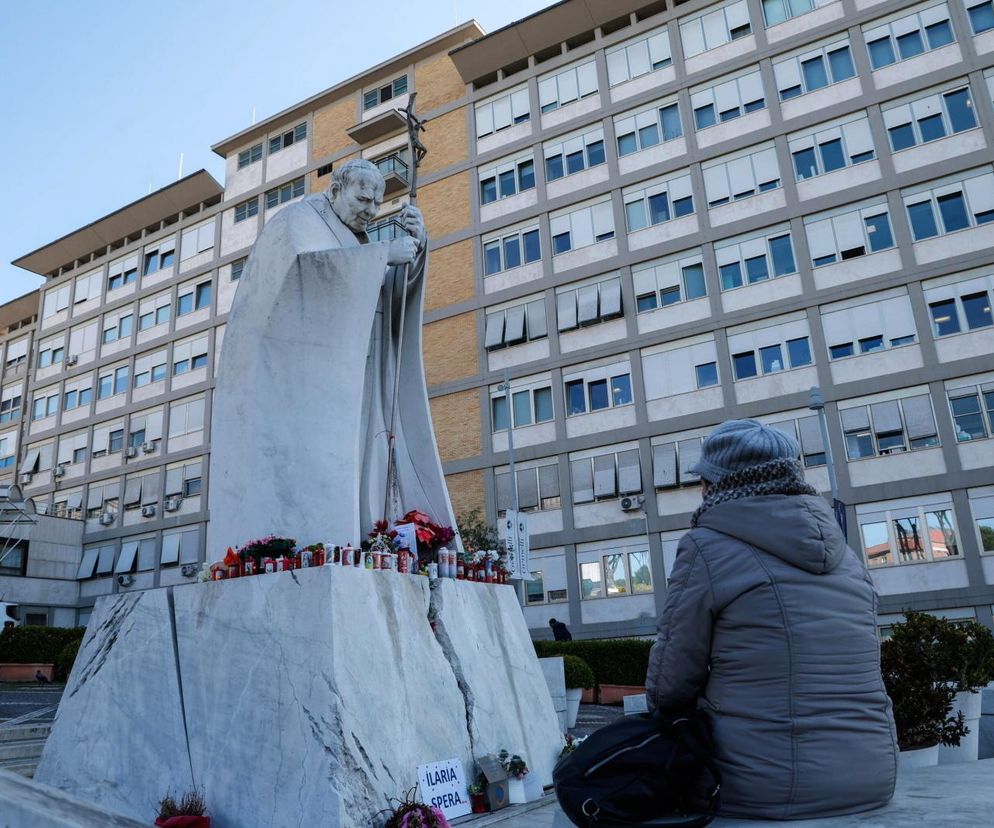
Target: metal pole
(817,403)
(506,386)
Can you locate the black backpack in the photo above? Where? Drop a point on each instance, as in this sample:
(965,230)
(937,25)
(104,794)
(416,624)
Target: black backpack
(649,770)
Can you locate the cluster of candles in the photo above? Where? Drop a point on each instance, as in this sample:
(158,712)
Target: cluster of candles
(483,567)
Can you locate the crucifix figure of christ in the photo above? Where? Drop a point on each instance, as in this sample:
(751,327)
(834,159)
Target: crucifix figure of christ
(320,423)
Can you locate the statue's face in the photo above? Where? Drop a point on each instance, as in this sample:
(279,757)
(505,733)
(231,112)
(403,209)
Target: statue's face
(357,203)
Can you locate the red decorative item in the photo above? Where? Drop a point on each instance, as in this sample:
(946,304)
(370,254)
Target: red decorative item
(317,558)
(248,568)
(460,569)
(479,803)
(232,564)
(268,565)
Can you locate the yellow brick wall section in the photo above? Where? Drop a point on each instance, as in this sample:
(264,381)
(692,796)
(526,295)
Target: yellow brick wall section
(330,124)
(466,492)
(445,138)
(456,418)
(437,82)
(319,185)
(450,349)
(445,204)
(450,275)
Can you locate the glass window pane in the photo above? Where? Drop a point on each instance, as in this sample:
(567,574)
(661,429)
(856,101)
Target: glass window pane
(638,565)
(621,389)
(804,163)
(693,281)
(986,525)
(704,116)
(533,250)
(922,219)
(614,572)
(844,349)
(574,162)
(772,359)
(707,374)
(939,34)
(960,109)
(832,156)
(731,276)
(952,207)
(968,422)
(554,167)
(526,175)
(744,365)
(932,127)
(626,145)
(876,544)
(878,232)
(815,76)
(669,117)
(543,405)
(590,581)
(982,17)
(576,402)
(635,214)
(977,309)
(799,351)
(508,185)
(757,269)
(646,302)
(598,395)
(499,412)
(871,343)
(941,535)
(522,408)
(491,257)
(881,52)
(841,65)
(775,11)
(535,590)
(648,136)
(783,255)
(659,208)
(512,252)
(859,444)
(902,137)
(945,321)
(911,44)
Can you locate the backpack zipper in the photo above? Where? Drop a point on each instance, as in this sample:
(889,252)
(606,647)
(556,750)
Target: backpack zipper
(618,753)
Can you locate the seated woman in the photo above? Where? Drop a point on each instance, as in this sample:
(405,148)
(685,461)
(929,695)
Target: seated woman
(769,627)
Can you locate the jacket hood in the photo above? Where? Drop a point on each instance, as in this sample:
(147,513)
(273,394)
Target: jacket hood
(798,529)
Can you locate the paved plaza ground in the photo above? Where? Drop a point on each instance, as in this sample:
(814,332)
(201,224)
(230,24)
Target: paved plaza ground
(18,699)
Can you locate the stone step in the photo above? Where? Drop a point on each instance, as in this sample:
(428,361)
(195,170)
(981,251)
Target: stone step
(21,749)
(25,731)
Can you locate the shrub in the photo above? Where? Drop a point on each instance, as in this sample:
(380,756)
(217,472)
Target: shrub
(36,645)
(66,658)
(612,660)
(578,673)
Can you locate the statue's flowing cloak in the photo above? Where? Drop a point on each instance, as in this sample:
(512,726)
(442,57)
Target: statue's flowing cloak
(301,408)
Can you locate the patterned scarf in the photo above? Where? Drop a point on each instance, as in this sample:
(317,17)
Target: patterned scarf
(777,477)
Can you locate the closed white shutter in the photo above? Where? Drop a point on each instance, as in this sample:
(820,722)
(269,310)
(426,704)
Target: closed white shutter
(897,115)
(566,310)
(980,192)
(715,30)
(787,73)
(751,87)
(740,178)
(502,113)
(690,453)
(716,183)
(765,166)
(603,218)
(935,14)
(586,76)
(527,489)
(858,137)
(126,561)
(583,481)
(664,465)
(587,302)
(931,105)
(855,419)
(898,318)
(692,35)
(838,328)
(737,15)
(132,491)
(153,426)
(644,281)
(548,93)
(537,325)
(617,66)
(849,231)
(610,298)
(821,238)
(582,228)
(629,472)
(101,436)
(515,325)
(519,104)
(605,484)
(886,417)
(568,86)
(726,96)
(638,59)
(659,47)
(170,549)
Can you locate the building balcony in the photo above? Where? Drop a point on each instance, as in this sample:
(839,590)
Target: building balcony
(396,174)
(378,128)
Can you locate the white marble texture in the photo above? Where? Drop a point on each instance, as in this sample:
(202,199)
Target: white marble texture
(310,696)
(118,738)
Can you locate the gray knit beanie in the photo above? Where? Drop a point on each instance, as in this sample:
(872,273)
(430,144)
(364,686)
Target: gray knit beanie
(739,444)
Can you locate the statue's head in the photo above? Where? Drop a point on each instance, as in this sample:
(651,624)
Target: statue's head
(356,192)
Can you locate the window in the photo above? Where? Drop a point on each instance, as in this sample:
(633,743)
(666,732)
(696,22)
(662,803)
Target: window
(502,112)
(88,287)
(77,395)
(909,36)
(660,201)
(588,304)
(889,427)
(189,355)
(72,448)
(250,155)
(394,89)
(814,69)
(535,589)
(180,547)
(17,352)
(197,240)
(669,281)
(961,306)
(45,404)
(581,227)
(512,326)
(247,209)
(56,300)
(7,456)
(284,193)
(14,563)
(755,259)
(511,250)
(506,179)
(602,389)
(658,124)
(848,233)
(832,147)
(726,101)
(741,176)
(606,476)
(114,382)
(972,408)
(777,11)
(909,535)
(981,16)
(958,205)
(117,327)
(97,560)
(567,85)
(634,59)
(155,310)
(716,28)
(672,462)
(193,298)
(573,154)
(529,406)
(870,323)
(125,271)
(288,138)
(159,258)
(771,358)
(615,574)
(51,352)
(537,489)
(237,268)
(183,479)
(929,118)
(186,417)
(707,374)
(150,368)
(10,407)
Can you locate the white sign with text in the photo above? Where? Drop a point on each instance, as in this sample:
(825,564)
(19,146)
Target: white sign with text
(443,784)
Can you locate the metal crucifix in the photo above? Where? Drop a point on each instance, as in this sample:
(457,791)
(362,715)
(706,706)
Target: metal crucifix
(416,151)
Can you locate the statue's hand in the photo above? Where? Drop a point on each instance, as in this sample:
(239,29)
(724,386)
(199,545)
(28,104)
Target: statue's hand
(402,251)
(414,223)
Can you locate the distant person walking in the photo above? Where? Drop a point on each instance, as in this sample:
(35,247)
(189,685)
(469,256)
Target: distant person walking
(559,630)
(769,628)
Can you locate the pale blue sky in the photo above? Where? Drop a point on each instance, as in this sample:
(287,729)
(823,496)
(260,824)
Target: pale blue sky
(99,98)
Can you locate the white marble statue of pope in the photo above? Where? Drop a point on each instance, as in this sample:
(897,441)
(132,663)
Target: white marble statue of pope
(299,434)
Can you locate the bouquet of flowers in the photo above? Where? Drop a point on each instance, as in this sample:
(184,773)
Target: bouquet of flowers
(267,547)
(431,536)
(382,538)
(513,764)
(411,813)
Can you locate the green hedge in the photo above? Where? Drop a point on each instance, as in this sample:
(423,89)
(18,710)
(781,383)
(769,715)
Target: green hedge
(66,658)
(578,673)
(613,660)
(42,645)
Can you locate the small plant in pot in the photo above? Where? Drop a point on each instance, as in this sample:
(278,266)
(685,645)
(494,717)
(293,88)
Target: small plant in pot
(411,812)
(187,812)
(478,793)
(579,677)
(915,672)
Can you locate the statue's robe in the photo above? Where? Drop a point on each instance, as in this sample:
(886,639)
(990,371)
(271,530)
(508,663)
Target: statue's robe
(301,410)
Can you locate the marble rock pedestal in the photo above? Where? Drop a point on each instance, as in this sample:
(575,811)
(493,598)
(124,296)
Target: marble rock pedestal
(296,699)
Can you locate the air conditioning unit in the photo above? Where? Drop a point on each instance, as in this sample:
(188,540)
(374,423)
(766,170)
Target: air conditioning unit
(60,471)
(632,503)
(172,503)
(25,478)
(148,511)
(71,360)
(125,580)
(148,448)
(106,518)
(131,451)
